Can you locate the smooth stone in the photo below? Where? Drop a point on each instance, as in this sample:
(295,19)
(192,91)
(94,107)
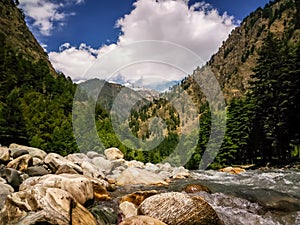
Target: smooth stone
(5,191)
(193,188)
(37,161)
(142,220)
(21,163)
(134,164)
(232,170)
(4,154)
(90,170)
(151,167)
(78,158)
(176,208)
(40,205)
(139,176)
(80,187)
(128,209)
(34,152)
(113,153)
(20,153)
(138,197)
(165,167)
(103,164)
(36,171)
(54,161)
(92,154)
(2,181)
(12,177)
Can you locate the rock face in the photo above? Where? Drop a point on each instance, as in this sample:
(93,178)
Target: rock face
(233,170)
(139,176)
(179,209)
(113,154)
(142,220)
(44,205)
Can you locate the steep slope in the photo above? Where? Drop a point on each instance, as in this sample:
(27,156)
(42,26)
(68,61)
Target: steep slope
(15,35)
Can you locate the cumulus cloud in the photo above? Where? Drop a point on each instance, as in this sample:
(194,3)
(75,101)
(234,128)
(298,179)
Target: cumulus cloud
(46,14)
(199,28)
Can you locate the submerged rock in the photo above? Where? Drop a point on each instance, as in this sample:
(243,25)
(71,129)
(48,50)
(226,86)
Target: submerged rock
(232,170)
(139,176)
(192,188)
(179,209)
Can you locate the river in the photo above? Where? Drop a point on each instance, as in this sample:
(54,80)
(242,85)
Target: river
(256,197)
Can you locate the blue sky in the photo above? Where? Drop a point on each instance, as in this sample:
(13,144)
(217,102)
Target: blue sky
(75,33)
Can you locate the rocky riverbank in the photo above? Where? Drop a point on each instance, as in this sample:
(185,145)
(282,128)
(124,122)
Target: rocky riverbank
(41,188)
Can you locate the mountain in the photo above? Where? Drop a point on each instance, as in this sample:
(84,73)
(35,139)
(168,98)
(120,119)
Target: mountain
(15,35)
(35,101)
(257,69)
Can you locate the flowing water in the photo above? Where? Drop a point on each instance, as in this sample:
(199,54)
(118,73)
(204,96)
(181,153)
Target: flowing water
(255,197)
(252,198)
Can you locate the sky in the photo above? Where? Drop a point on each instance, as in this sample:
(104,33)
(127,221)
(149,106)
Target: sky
(122,40)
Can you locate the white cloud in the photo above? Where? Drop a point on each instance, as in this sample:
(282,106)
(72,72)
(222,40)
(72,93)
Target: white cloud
(46,14)
(199,28)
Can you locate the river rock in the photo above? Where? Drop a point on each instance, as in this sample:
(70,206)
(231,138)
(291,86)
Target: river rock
(54,161)
(113,153)
(103,164)
(20,153)
(37,161)
(92,154)
(34,152)
(165,167)
(90,170)
(78,158)
(128,209)
(12,177)
(139,176)
(80,187)
(40,205)
(192,188)
(36,171)
(179,209)
(135,164)
(138,197)
(65,168)
(180,173)
(21,163)
(5,191)
(142,220)
(4,154)
(232,170)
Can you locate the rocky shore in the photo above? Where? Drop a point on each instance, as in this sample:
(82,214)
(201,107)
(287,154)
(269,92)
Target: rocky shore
(40,188)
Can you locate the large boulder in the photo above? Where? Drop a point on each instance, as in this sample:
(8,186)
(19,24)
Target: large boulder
(80,187)
(35,171)
(179,209)
(139,176)
(4,154)
(142,220)
(34,152)
(40,205)
(54,161)
(113,154)
(21,163)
